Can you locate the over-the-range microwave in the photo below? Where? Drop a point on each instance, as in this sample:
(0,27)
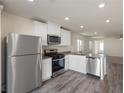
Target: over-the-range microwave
(53,39)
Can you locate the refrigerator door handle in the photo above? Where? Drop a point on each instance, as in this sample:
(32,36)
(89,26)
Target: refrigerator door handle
(40,64)
(38,72)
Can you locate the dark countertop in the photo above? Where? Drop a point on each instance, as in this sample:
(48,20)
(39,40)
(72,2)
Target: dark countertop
(45,57)
(88,55)
(65,52)
(72,53)
(95,55)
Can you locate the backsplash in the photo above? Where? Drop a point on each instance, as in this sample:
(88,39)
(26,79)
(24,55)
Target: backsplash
(60,48)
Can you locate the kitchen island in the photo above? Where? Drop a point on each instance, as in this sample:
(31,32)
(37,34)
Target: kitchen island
(80,62)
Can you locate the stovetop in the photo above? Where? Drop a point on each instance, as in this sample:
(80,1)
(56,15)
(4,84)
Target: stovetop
(55,55)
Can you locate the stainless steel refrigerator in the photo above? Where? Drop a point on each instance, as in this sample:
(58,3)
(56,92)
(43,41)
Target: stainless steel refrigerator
(23,63)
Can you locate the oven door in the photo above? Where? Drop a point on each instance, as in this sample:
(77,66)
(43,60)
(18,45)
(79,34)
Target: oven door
(58,64)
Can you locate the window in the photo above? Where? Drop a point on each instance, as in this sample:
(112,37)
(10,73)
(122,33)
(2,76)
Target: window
(90,46)
(96,46)
(101,46)
(79,45)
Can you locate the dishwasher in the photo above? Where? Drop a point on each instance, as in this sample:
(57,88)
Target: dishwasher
(93,66)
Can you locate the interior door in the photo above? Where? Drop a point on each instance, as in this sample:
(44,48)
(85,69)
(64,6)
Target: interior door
(23,73)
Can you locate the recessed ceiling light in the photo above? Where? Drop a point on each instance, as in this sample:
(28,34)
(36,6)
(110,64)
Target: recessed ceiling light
(81,26)
(95,33)
(31,0)
(107,21)
(66,18)
(101,5)
(121,38)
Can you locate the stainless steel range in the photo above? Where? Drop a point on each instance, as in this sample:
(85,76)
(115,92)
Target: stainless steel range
(58,61)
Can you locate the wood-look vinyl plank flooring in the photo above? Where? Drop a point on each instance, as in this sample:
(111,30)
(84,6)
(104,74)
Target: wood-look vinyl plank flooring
(74,82)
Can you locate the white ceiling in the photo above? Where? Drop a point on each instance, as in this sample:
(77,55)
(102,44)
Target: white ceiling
(81,12)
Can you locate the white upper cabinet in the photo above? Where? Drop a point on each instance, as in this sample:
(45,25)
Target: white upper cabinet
(53,29)
(40,29)
(65,37)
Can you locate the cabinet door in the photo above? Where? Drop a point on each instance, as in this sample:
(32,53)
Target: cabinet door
(57,31)
(68,38)
(40,29)
(46,69)
(53,29)
(84,62)
(65,37)
(77,63)
(66,62)
(72,62)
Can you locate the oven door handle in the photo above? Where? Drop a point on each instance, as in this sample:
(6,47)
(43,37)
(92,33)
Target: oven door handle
(58,59)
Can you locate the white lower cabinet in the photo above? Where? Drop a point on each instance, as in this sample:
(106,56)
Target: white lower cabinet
(66,62)
(77,63)
(46,69)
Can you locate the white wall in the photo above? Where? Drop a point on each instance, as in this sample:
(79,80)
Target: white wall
(113,47)
(13,23)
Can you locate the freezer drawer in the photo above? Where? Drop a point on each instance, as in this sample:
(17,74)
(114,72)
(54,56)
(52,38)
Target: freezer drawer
(23,73)
(93,66)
